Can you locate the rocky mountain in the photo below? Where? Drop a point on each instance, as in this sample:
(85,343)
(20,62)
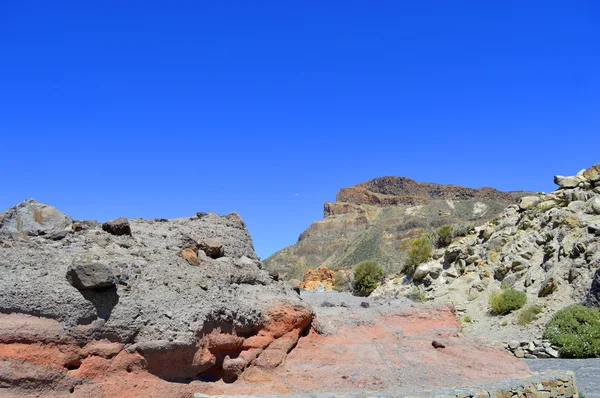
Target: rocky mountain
(547,246)
(179,300)
(370,220)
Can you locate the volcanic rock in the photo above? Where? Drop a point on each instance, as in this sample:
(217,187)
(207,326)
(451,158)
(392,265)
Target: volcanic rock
(117,227)
(33,218)
(317,277)
(90,276)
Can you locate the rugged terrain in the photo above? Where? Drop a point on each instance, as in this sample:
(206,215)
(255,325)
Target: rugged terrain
(369,220)
(547,246)
(183,299)
(176,307)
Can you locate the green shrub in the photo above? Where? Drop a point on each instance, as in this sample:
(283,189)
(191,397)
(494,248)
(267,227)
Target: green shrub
(419,250)
(444,235)
(367,276)
(528,314)
(507,301)
(468,319)
(417,295)
(576,331)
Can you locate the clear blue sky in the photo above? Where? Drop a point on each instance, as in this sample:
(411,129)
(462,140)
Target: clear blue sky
(161,109)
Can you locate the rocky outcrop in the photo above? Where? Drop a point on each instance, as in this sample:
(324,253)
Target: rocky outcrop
(125,299)
(367,222)
(546,246)
(318,278)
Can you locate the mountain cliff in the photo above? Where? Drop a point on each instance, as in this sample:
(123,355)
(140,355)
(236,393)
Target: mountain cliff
(370,220)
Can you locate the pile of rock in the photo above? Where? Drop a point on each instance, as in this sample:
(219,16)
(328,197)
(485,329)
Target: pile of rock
(536,349)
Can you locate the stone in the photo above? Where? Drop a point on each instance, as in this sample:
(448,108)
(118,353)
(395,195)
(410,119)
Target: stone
(33,218)
(549,286)
(593,173)
(529,202)
(117,227)
(567,182)
(594,205)
(520,353)
(190,255)
(438,344)
(552,352)
(85,225)
(365,304)
(421,271)
(90,276)
(212,247)
(513,344)
(594,229)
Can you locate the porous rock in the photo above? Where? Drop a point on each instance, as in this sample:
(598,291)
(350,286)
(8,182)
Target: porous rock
(117,227)
(90,276)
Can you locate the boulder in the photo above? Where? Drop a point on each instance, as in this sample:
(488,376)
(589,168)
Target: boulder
(593,173)
(117,227)
(422,271)
(567,182)
(33,218)
(212,247)
(90,276)
(549,286)
(528,202)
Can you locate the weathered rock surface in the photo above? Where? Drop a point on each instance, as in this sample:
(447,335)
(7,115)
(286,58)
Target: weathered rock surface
(367,221)
(547,246)
(32,218)
(101,300)
(319,277)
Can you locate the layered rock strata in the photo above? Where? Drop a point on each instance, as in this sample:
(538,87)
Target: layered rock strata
(82,301)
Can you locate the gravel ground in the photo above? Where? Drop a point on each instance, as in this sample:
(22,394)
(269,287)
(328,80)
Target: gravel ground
(587,372)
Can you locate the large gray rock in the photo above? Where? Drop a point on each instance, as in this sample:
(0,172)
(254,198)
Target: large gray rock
(157,296)
(33,218)
(90,276)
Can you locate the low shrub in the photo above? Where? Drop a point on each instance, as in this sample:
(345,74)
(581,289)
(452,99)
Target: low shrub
(367,276)
(419,250)
(507,301)
(528,314)
(444,235)
(576,331)
(417,295)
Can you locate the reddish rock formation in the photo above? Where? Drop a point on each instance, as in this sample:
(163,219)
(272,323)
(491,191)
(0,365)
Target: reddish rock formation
(315,277)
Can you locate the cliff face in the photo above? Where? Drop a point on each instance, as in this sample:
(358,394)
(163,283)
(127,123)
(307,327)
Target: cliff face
(367,222)
(176,300)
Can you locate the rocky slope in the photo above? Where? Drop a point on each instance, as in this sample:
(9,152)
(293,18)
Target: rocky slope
(176,300)
(367,222)
(547,246)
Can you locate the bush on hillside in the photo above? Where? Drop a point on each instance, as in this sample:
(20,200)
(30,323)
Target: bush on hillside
(528,314)
(367,276)
(576,331)
(507,301)
(444,235)
(419,250)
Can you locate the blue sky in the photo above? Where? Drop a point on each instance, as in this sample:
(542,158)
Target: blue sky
(161,109)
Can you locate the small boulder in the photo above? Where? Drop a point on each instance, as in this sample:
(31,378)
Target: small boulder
(190,255)
(365,304)
(84,225)
(90,276)
(117,227)
(549,286)
(212,247)
(593,295)
(593,173)
(438,344)
(528,202)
